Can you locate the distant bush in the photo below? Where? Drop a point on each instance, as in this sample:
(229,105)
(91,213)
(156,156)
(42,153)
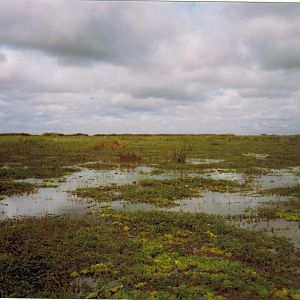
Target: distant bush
(21,134)
(129,157)
(78,134)
(52,134)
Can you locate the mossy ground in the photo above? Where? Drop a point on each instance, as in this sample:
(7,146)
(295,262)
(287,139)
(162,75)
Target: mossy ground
(154,255)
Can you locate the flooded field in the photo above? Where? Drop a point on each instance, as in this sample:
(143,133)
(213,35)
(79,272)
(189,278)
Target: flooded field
(124,217)
(278,226)
(279,178)
(57,200)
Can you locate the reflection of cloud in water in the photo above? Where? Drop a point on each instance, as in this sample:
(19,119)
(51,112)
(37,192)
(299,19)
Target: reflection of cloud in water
(222,203)
(203,161)
(278,178)
(277,227)
(59,201)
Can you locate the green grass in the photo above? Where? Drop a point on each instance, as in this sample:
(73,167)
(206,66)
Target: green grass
(290,191)
(9,188)
(50,156)
(289,209)
(162,193)
(155,255)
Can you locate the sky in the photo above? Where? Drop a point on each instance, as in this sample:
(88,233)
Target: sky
(149,67)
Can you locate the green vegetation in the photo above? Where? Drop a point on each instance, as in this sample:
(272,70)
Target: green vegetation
(53,155)
(288,210)
(179,154)
(291,191)
(143,255)
(159,192)
(48,185)
(129,157)
(9,188)
(147,255)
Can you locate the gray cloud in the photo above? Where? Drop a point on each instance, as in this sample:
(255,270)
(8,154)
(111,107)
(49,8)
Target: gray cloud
(149,67)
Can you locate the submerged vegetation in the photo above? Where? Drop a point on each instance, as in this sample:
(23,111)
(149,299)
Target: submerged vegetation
(144,255)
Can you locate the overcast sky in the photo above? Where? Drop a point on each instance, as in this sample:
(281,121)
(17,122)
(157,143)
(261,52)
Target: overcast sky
(129,67)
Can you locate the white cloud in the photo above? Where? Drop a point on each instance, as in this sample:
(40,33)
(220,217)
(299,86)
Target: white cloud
(149,67)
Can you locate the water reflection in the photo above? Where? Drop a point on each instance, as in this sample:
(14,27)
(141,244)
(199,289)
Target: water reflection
(279,178)
(57,200)
(275,227)
(203,161)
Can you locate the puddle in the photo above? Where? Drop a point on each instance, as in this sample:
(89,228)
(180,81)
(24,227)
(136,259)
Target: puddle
(203,161)
(275,227)
(84,283)
(225,176)
(278,178)
(225,204)
(256,155)
(57,200)
(45,201)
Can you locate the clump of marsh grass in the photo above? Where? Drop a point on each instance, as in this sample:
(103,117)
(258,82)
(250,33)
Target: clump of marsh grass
(179,154)
(9,188)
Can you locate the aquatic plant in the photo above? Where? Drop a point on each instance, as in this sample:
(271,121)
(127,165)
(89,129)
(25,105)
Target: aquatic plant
(9,188)
(179,154)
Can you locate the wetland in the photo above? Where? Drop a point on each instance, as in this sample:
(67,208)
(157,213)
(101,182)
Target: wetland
(150,216)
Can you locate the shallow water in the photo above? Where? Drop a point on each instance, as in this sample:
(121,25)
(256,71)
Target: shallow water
(203,161)
(275,227)
(224,176)
(44,201)
(256,155)
(225,204)
(278,178)
(57,200)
